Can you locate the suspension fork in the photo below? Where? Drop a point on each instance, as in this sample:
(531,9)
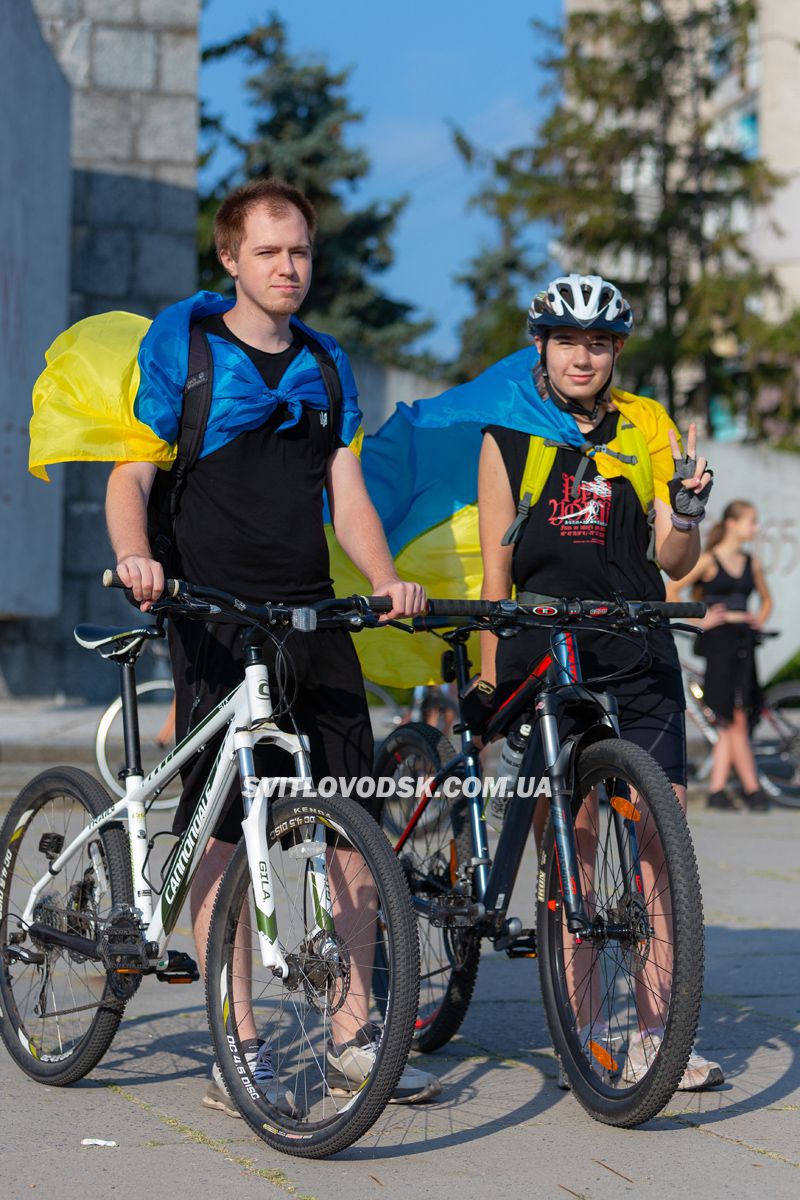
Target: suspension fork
(472,770)
(557,761)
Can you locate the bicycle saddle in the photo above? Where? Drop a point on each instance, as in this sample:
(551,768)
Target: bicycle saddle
(113,642)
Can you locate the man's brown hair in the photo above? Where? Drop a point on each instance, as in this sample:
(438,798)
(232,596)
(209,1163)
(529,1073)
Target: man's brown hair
(275,194)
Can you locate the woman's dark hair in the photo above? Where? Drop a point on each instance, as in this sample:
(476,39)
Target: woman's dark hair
(732,512)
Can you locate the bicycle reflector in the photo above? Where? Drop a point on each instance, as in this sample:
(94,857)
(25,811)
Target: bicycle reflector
(625,808)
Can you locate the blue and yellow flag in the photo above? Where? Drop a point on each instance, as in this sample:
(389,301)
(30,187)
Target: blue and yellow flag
(112,390)
(421,470)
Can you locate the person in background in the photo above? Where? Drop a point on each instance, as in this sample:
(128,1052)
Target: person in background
(725,577)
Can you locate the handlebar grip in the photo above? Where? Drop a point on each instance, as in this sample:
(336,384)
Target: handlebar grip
(112,580)
(380,604)
(677,609)
(461,608)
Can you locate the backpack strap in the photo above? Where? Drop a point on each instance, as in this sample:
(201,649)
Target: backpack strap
(331,379)
(194,414)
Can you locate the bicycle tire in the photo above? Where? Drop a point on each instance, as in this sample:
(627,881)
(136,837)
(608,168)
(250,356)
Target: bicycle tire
(154,698)
(294,1018)
(598,997)
(776,744)
(55,1050)
(435,854)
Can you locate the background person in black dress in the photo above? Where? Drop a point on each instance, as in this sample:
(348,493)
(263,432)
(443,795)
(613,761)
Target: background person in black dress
(725,577)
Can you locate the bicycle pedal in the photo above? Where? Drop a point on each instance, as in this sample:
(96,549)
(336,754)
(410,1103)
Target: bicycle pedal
(180,968)
(523,946)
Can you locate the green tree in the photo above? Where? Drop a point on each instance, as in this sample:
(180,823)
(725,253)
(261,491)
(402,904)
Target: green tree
(630,168)
(302,117)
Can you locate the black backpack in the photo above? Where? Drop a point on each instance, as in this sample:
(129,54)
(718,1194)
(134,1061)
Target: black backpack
(164,502)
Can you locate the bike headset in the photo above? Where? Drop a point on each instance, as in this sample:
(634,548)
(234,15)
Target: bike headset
(577,302)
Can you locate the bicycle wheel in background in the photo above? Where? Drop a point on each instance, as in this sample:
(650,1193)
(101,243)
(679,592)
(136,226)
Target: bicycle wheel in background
(776,744)
(623,1006)
(328,988)
(156,700)
(384,710)
(58,1011)
(433,858)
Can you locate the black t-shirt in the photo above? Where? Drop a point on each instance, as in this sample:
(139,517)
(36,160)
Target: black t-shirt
(250,518)
(591,547)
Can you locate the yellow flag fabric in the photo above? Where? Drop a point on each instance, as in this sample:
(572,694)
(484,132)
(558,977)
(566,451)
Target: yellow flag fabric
(446,560)
(90,384)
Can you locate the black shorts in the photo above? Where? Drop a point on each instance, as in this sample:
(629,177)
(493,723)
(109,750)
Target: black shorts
(650,701)
(330,707)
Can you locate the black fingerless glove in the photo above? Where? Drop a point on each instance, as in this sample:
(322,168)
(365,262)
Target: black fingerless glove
(688,508)
(478,700)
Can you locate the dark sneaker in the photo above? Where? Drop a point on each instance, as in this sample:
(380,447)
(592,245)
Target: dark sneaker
(259,1060)
(700,1074)
(756,801)
(720,800)
(351,1062)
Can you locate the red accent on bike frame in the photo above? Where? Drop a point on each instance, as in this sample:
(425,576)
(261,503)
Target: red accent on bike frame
(417,813)
(571,659)
(639,887)
(536,673)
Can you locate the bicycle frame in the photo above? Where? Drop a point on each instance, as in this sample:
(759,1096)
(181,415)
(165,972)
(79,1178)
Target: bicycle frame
(247,714)
(494,879)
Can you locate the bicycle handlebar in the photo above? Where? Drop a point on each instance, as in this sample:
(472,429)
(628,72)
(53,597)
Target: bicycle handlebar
(304,617)
(565,608)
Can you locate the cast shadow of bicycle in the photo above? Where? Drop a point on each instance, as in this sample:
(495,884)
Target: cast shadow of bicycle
(499,1072)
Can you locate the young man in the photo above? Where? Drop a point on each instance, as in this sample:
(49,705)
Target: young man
(251,522)
(595,527)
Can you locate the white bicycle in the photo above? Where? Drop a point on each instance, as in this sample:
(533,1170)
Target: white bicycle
(313,903)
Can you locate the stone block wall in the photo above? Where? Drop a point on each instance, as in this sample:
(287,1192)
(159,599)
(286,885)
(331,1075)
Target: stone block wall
(132,66)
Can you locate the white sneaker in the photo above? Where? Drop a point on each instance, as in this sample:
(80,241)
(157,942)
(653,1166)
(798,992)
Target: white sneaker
(699,1075)
(259,1060)
(351,1062)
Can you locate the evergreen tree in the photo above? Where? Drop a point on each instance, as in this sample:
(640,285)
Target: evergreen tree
(626,165)
(301,120)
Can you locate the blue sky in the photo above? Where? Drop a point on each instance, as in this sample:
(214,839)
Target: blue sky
(416,66)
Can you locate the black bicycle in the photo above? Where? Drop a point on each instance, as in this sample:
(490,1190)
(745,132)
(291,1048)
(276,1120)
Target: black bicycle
(619,924)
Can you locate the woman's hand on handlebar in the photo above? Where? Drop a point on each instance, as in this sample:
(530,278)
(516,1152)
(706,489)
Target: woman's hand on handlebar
(717,614)
(408,599)
(145,578)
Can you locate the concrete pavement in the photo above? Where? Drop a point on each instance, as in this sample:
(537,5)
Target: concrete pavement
(501,1124)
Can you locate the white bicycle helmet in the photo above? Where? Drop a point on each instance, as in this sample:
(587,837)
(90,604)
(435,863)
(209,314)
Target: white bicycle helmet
(582,302)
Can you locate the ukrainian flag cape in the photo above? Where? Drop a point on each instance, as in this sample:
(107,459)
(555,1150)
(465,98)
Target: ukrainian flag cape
(112,390)
(421,470)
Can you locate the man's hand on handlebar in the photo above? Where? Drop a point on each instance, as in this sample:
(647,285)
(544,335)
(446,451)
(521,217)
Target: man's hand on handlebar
(408,599)
(145,578)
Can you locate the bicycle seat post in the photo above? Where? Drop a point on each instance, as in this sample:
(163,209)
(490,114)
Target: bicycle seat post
(130,720)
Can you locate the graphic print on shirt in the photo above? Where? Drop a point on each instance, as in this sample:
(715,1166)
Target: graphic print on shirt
(584,518)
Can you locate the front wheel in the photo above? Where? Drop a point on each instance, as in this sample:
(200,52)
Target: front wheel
(321,1096)
(59,1012)
(622,1004)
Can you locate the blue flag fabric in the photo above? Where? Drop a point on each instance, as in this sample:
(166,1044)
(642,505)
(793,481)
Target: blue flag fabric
(241,401)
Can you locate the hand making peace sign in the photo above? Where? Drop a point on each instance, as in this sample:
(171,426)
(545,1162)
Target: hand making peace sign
(691,484)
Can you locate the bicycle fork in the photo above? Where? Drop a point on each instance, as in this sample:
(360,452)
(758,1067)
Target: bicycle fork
(256,800)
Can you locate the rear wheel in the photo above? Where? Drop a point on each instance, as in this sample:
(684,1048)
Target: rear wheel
(776,744)
(623,1005)
(435,858)
(59,1012)
(314,1111)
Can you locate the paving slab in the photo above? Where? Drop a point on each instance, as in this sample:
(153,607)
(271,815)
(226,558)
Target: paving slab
(501,1126)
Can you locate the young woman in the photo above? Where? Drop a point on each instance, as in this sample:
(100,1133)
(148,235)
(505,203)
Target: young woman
(725,577)
(595,523)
